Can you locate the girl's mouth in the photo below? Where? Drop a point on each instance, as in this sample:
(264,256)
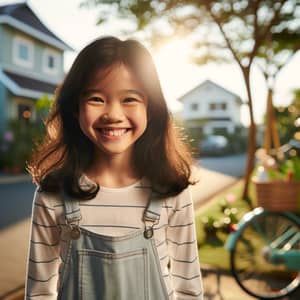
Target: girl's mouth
(113,132)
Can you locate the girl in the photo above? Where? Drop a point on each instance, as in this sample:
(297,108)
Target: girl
(112,216)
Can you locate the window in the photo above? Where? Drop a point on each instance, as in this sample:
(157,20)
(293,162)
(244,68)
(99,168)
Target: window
(23,52)
(223,105)
(212,106)
(218,106)
(194,106)
(50,62)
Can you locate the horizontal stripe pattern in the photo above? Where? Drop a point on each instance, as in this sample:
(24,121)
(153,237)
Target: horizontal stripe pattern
(115,213)
(42,280)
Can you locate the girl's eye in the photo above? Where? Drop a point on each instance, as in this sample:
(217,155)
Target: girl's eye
(130,99)
(96,99)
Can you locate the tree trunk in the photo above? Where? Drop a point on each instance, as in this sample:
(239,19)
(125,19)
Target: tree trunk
(251,137)
(271,138)
(274,128)
(268,124)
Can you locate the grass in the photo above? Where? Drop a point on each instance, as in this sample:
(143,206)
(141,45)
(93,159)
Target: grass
(211,247)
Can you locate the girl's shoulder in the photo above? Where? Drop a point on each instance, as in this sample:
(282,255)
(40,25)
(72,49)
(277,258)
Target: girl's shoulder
(184,198)
(47,199)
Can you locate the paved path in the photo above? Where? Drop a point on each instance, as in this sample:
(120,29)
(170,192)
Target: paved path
(209,184)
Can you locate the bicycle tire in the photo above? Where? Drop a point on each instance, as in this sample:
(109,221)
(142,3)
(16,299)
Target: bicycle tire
(249,265)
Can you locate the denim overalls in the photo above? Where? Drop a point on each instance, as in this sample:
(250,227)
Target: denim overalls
(100,267)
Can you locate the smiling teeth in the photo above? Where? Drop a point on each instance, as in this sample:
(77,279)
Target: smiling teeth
(113,132)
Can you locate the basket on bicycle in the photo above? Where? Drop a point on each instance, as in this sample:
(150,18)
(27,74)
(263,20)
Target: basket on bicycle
(278,195)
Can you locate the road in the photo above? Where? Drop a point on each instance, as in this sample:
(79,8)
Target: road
(232,165)
(16,198)
(15,203)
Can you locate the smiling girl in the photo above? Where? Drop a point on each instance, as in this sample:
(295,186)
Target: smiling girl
(112,215)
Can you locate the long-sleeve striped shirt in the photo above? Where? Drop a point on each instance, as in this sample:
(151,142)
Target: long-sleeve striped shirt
(115,211)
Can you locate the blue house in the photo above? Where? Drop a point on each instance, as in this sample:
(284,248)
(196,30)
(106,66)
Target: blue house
(31,62)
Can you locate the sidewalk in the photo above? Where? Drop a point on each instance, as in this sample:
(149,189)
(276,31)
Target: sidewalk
(14,242)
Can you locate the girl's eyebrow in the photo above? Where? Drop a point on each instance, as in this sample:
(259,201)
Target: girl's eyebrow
(132,91)
(87,92)
(125,91)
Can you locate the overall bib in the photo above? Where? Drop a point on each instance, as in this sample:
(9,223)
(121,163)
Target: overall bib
(100,267)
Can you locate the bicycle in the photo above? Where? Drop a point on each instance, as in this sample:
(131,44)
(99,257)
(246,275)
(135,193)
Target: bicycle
(265,253)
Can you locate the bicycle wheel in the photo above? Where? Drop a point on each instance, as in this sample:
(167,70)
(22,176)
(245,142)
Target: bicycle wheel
(249,261)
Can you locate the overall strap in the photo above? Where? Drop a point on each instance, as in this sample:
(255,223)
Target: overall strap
(72,209)
(152,211)
(151,214)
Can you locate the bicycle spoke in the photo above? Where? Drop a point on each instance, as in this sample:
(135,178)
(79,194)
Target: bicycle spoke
(249,260)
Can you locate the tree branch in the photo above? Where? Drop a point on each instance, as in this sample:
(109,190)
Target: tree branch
(260,37)
(227,41)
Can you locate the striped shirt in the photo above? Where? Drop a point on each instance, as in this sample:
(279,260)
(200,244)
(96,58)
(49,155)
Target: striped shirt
(115,212)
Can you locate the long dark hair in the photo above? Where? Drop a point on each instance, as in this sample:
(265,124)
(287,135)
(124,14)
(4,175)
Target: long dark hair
(65,153)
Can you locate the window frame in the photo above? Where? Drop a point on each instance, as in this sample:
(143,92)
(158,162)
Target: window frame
(17,59)
(224,106)
(213,106)
(194,106)
(56,57)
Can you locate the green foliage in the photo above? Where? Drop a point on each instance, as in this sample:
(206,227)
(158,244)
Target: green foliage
(286,168)
(227,204)
(244,25)
(17,143)
(286,118)
(43,106)
(21,136)
(194,133)
(291,166)
(43,103)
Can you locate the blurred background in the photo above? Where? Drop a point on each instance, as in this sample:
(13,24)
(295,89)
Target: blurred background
(229,71)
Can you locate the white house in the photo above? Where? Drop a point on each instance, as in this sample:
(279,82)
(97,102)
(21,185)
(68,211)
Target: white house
(211,109)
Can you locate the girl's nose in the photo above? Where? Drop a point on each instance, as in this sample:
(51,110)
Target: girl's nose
(113,114)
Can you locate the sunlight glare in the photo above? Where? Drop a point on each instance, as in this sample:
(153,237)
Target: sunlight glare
(172,57)
(172,61)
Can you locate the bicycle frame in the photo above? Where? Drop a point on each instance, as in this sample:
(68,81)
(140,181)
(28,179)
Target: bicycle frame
(279,251)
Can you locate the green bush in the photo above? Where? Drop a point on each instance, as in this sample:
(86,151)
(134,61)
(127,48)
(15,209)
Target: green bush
(17,143)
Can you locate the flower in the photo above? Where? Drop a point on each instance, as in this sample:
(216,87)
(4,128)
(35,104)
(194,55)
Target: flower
(230,197)
(8,136)
(265,159)
(286,166)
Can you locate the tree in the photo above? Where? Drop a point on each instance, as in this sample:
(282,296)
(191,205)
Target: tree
(276,51)
(289,119)
(43,106)
(244,26)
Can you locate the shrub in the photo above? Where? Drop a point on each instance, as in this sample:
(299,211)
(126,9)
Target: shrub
(17,143)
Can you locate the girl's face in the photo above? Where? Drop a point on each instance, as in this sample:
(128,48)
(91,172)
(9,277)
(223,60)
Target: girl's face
(113,110)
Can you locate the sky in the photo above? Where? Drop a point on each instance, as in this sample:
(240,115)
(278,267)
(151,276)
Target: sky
(76,26)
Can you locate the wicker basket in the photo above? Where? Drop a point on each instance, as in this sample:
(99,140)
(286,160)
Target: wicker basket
(278,195)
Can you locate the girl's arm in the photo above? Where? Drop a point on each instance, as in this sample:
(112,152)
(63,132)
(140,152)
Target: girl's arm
(44,250)
(182,248)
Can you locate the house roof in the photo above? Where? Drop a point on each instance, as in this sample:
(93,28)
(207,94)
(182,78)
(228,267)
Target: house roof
(209,82)
(22,17)
(24,86)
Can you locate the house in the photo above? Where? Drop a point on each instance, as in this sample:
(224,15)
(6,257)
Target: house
(31,62)
(211,109)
